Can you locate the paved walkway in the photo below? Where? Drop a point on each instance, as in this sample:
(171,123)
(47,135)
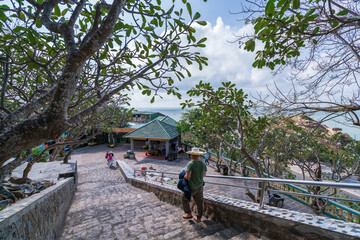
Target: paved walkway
(106,207)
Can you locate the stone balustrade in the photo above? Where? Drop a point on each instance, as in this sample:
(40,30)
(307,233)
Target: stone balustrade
(40,216)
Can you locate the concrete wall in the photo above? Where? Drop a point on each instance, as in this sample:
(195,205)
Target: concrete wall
(275,223)
(41,216)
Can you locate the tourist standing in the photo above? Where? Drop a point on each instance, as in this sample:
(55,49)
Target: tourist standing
(111,159)
(107,157)
(195,172)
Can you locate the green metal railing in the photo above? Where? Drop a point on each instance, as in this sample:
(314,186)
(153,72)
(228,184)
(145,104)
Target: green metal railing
(332,209)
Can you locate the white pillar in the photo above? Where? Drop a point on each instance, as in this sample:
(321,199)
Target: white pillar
(132,144)
(149,144)
(167,148)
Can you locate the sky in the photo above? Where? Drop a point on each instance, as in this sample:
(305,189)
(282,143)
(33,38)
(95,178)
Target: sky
(227,62)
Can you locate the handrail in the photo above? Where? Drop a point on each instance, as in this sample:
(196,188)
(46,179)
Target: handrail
(334,210)
(313,183)
(350,214)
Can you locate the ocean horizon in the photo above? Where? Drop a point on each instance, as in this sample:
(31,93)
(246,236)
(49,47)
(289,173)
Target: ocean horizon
(176,114)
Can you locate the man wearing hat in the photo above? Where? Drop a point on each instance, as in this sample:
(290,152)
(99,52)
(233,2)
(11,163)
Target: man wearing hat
(195,172)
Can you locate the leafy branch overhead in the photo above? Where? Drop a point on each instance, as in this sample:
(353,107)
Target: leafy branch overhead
(62,60)
(313,42)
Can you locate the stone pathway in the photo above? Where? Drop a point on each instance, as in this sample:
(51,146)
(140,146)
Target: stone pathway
(106,207)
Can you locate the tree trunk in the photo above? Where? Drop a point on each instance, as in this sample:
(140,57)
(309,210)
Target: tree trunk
(67,156)
(8,168)
(53,155)
(28,168)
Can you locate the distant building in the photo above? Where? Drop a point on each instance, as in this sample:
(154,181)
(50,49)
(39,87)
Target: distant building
(161,129)
(144,116)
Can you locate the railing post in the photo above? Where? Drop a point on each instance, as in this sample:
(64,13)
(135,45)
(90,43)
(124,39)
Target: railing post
(162,178)
(145,175)
(262,194)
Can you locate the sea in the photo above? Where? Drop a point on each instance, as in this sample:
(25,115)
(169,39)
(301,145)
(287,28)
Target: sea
(340,122)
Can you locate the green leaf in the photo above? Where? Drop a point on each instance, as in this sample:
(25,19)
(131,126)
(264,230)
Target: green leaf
(343,12)
(38,23)
(188,6)
(154,22)
(197,16)
(316,30)
(295,4)
(64,11)
(57,11)
(202,23)
(250,45)
(202,40)
(3,17)
(281,3)
(31,38)
(315,41)
(270,8)
(152,99)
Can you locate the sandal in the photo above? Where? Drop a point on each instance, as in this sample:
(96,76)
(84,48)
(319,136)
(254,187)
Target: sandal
(198,220)
(187,216)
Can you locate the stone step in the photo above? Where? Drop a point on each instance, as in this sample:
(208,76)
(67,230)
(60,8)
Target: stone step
(248,236)
(106,207)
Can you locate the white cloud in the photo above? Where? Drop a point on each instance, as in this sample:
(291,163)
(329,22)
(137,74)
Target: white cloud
(227,62)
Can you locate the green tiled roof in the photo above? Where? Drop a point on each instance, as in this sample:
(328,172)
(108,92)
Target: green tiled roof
(146,112)
(154,129)
(167,120)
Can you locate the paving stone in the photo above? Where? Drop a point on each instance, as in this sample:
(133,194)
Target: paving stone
(172,234)
(106,207)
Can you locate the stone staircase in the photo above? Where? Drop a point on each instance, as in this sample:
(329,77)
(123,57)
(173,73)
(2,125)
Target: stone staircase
(107,207)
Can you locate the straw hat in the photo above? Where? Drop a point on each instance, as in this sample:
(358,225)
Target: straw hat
(196,151)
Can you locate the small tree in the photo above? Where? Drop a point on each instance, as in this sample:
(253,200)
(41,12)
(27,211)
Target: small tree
(230,121)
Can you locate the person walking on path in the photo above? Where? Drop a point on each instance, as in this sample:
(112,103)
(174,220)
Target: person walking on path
(111,159)
(107,157)
(195,172)
(207,159)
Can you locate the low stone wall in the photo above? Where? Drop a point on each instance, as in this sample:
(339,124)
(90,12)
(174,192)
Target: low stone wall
(275,223)
(41,216)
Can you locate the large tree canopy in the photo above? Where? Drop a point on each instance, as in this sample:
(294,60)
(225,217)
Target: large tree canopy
(62,60)
(320,40)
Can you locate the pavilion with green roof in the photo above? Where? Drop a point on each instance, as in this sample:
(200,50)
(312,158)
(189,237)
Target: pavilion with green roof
(162,128)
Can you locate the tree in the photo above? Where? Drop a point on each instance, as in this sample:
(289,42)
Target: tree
(229,120)
(62,60)
(195,129)
(319,40)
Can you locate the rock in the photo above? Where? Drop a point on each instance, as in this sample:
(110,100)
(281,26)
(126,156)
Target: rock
(7,193)
(4,202)
(29,191)
(39,187)
(19,193)
(19,180)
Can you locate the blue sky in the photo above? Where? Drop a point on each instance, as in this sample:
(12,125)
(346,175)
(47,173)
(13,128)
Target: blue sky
(226,61)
